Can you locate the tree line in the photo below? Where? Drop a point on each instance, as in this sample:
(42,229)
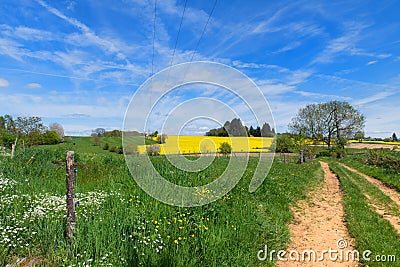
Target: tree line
(236,128)
(30,130)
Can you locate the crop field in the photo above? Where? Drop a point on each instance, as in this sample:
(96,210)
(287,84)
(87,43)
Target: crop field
(210,144)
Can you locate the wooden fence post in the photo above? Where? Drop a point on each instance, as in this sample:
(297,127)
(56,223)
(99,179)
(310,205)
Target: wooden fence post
(13,147)
(71,217)
(301,156)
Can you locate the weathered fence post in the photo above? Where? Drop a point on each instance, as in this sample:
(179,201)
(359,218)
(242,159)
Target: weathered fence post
(71,218)
(301,156)
(13,147)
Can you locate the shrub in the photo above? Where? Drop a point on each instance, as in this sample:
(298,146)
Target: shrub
(153,150)
(106,146)
(384,159)
(309,153)
(225,148)
(284,143)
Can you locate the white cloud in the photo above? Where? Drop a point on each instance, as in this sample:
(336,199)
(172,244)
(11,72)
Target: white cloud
(34,85)
(4,83)
(373,98)
(372,62)
(288,47)
(342,44)
(323,96)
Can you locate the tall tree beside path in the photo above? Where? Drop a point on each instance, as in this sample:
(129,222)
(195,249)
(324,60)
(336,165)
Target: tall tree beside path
(327,122)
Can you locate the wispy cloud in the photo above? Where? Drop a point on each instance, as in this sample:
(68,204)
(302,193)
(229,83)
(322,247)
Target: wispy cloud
(343,44)
(4,82)
(34,85)
(288,47)
(326,97)
(373,98)
(372,62)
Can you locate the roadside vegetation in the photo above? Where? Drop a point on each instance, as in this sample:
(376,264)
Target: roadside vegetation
(371,231)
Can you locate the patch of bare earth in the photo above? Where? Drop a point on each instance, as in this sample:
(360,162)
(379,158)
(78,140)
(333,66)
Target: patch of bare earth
(369,146)
(392,193)
(319,224)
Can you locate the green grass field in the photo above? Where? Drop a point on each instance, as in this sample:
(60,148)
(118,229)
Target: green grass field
(371,231)
(119,224)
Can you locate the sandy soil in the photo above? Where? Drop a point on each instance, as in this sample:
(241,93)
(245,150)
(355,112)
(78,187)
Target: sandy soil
(319,224)
(369,146)
(392,193)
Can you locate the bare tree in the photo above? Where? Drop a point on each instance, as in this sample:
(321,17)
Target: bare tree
(56,127)
(99,131)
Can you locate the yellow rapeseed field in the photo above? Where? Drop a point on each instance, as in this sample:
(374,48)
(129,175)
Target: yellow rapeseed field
(209,144)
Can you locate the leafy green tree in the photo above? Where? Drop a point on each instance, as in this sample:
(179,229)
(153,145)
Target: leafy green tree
(225,148)
(284,143)
(266,130)
(7,139)
(2,124)
(394,137)
(328,122)
(49,138)
(9,124)
(359,136)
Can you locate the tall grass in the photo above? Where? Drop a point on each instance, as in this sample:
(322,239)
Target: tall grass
(119,224)
(370,230)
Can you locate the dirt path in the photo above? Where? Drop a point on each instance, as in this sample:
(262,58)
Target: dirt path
(319,224)
(392,193)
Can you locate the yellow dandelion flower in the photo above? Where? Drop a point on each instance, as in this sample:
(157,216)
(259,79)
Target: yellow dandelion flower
(192,235)
(206,228)
(179,238)
(168,222)
(176,241)
(180,221)
(168,236)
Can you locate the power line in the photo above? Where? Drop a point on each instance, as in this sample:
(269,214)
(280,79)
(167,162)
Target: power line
(154,36)
(179,31)
(204,30)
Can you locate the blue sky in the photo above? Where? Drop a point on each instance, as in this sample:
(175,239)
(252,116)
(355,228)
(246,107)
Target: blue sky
(80,62)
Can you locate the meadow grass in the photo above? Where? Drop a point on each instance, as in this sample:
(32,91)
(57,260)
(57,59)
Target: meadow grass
(119,224)
(388,177)
(370,230)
